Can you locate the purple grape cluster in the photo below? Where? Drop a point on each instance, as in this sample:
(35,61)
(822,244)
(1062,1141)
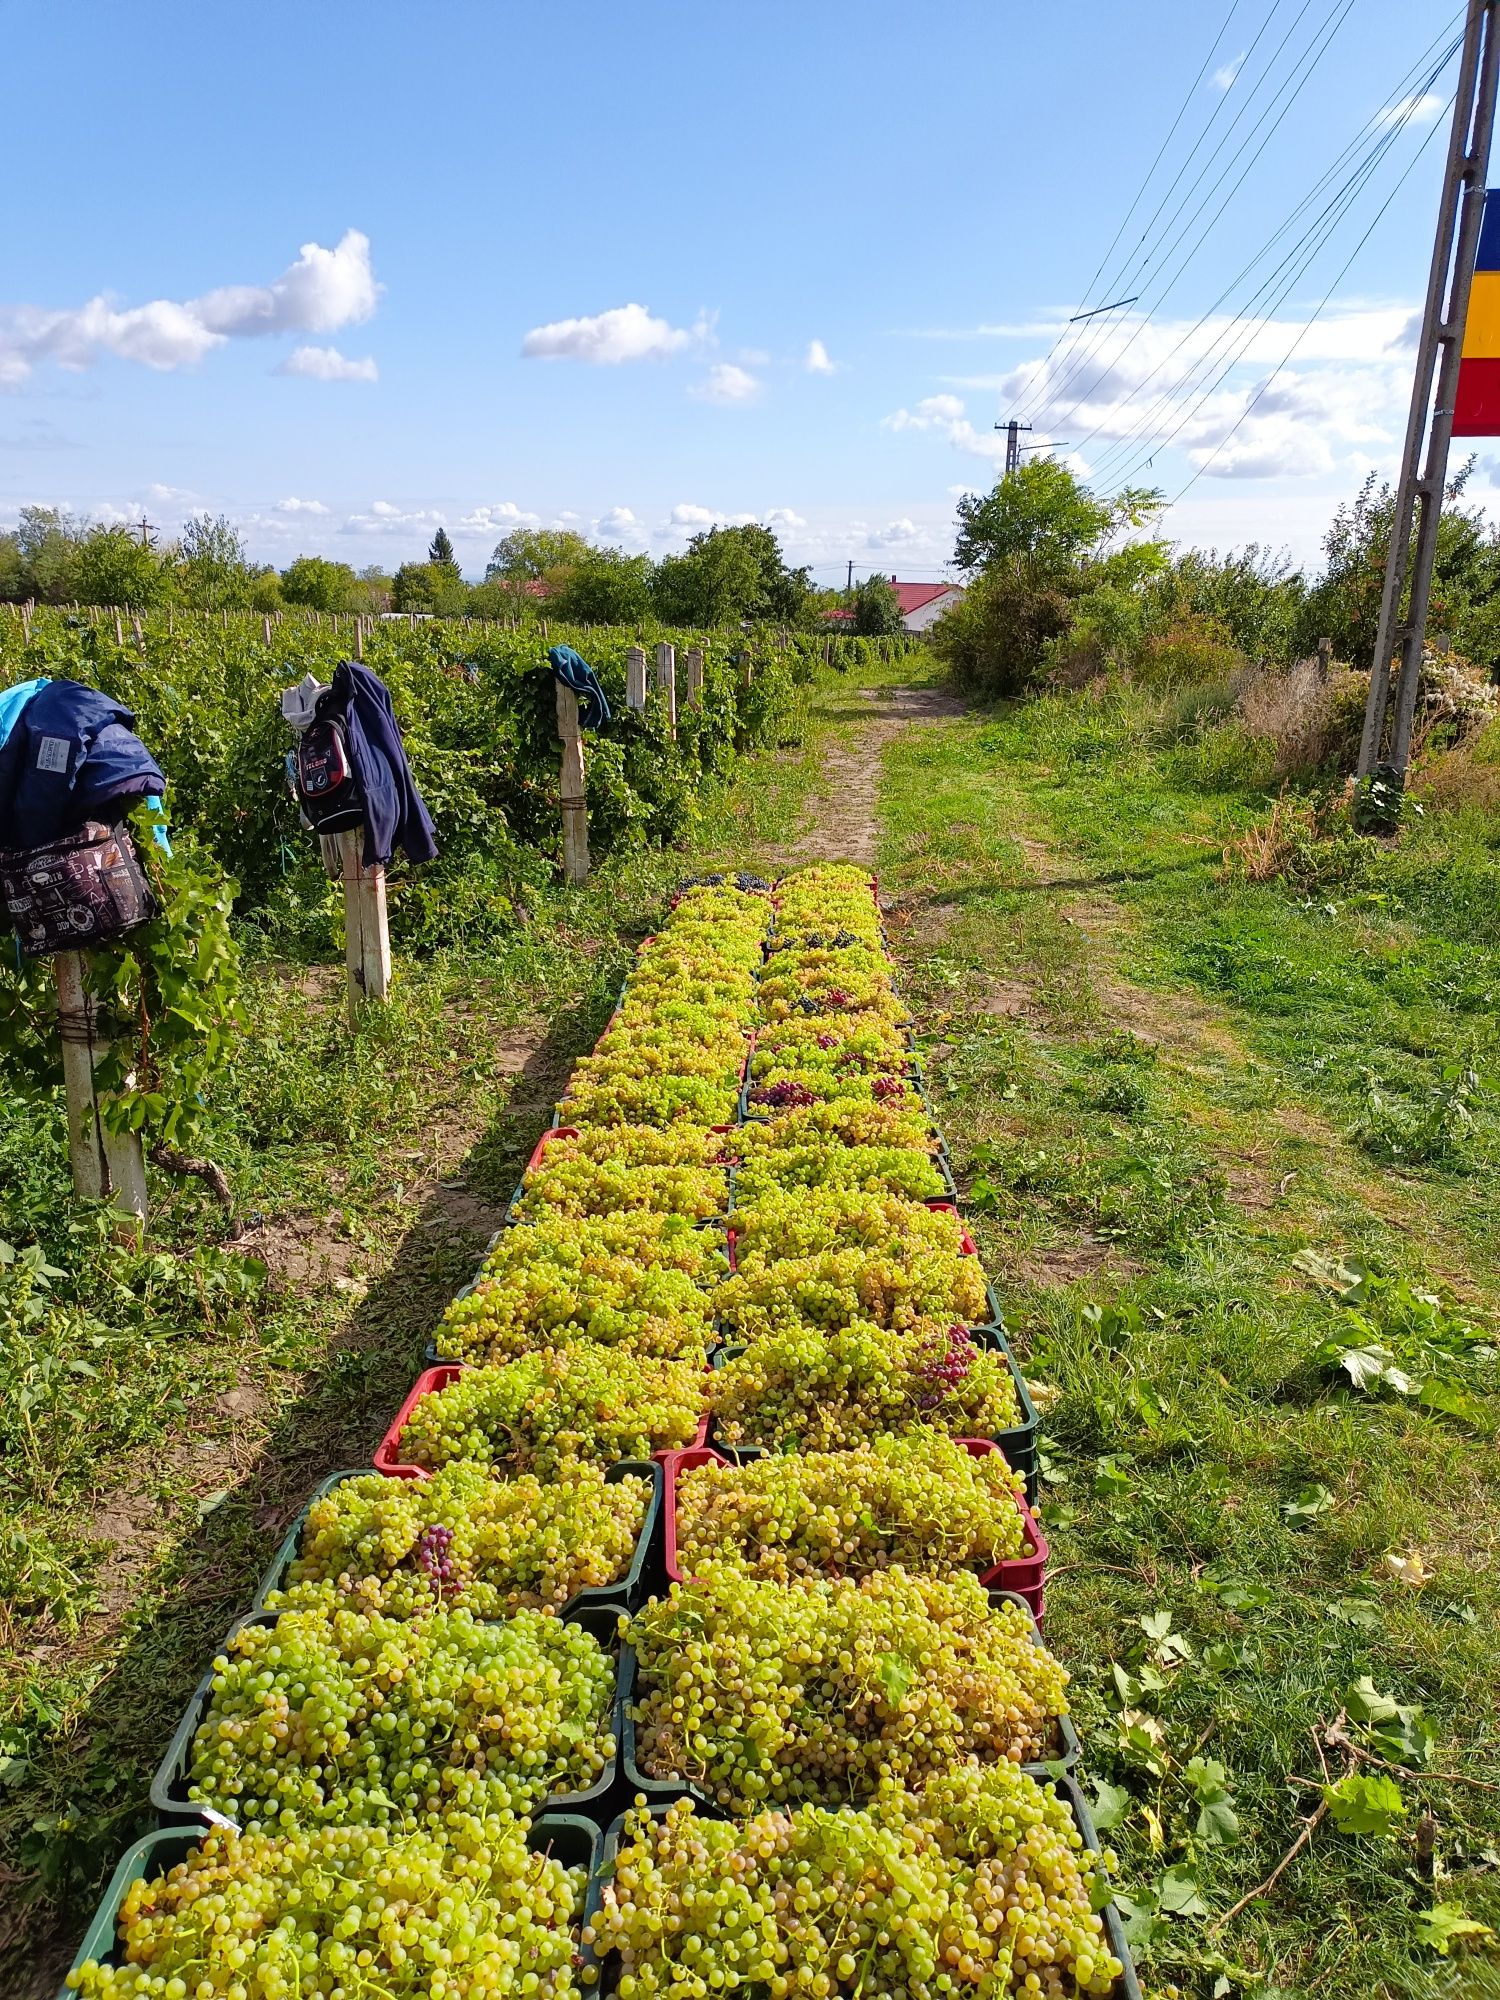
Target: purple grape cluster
(950,1367)
(432,1555)
(782,1096)
(884,1088)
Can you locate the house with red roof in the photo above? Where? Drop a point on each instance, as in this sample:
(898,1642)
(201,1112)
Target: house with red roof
(922,604)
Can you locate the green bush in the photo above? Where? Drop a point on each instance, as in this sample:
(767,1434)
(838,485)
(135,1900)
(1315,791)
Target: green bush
(993,641)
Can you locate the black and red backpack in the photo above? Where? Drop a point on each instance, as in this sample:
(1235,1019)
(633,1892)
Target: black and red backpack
(327,790)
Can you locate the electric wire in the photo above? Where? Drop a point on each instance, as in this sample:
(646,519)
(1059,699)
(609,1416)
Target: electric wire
(1132,274)
(1384,132)
(1302,72)
(1306,329)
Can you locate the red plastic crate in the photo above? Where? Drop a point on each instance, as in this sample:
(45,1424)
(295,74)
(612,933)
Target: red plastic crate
(1025,1575)
(388,1452)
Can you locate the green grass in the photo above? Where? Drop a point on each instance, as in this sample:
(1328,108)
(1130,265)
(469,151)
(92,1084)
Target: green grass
(1147,1143)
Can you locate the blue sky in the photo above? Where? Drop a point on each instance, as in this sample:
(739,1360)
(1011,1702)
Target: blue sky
(925,192)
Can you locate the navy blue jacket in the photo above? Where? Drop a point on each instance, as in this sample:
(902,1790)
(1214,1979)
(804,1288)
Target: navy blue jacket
(394,811)
(73,755)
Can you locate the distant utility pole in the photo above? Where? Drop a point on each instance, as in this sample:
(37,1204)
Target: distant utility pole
(849,585)
(147,531)
(1013,446)
(1420,492)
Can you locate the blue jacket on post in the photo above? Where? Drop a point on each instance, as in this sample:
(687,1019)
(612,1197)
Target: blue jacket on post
(71,755)
(394,810)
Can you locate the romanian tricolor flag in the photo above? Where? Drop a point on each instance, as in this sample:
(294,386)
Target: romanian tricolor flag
(1476,407)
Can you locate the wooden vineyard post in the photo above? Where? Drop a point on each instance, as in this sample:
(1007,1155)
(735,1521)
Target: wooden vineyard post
(367,940)
(635,677)
(575,816)
(265,629)
(666,678)
(575,812)
(693,666)
(119,630)
(103,1163)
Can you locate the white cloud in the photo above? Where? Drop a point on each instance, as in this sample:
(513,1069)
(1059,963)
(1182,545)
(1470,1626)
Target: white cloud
(385,519)
(784,521)
(326,364)
(691,518)
(725,383)
(499,519)
(1223,77)
(816,361)
(291,505)
(946,415)
(1420,109)
(624,333)
(323,290)
(167,495)
(895,534)
(620,524)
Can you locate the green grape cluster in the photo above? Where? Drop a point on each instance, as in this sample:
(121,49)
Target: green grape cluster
(978,1884)
(350,1716)
(801,1389)
(854,1041)
(773,1692)
(800,1222)
(826,897)
(611,1187)
(464,1540)
(639,1279)
(641,1146)
(638,1100)
(845,1122)
(350,1913)
(916,1499)
(834,1288)
(536,1413)
(899,1170)
(863,992)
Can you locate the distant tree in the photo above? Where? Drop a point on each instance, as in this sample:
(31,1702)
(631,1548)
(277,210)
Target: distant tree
(1041,522)
(265,590)
(430,587)
(211,569)
(604,587)
(442,551)
(47,541)
(12,570)
(322,585)
(527,555)
(729,574)
(877,609)
(1256,594)
(115,567)
(377,589)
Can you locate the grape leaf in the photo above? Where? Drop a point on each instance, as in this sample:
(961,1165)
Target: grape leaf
(1109,1805)
(894,1674)
(1445,1922)
(1308,1503)
(1366,1704)
(1367,1803)
(1178,1891)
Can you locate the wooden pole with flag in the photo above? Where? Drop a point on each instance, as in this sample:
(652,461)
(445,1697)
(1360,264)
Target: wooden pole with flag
(1467,403)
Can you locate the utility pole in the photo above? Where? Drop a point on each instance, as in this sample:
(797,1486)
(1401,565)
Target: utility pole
(1420,492)
(1013,447)
(147,531)
(849,582)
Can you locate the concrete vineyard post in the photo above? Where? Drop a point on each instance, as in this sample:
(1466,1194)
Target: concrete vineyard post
(666,678)
(635,677)
(575,816)
(119,631)
(367,940)
(103,1162)
(359,638)
(693,664)
(265,629)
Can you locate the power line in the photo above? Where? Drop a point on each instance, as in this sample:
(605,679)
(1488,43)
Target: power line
(1320,233)
(1303,333)
(1089,344)
(1375,125)
(1302,71)
(1385,134)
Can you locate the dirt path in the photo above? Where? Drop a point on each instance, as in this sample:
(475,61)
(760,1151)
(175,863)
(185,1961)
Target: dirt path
(841,820)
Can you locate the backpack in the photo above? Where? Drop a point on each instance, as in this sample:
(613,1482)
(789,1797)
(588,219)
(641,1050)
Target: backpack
(72,894)
(327,790)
